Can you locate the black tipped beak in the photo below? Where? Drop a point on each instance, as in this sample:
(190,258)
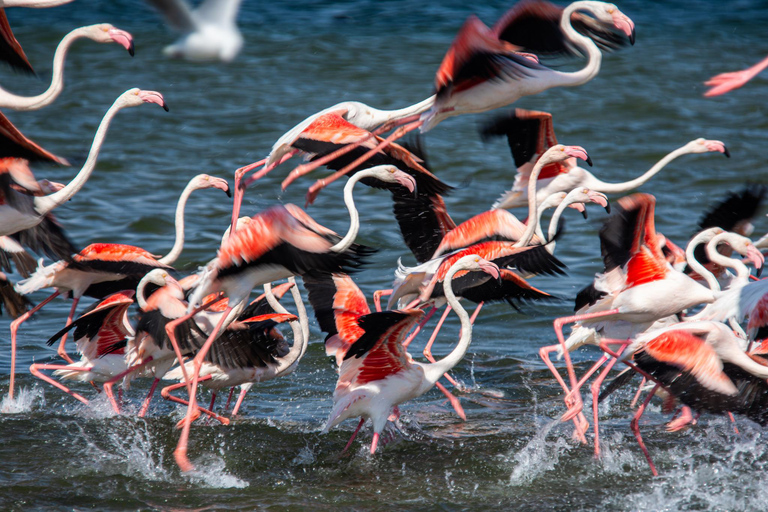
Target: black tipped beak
(228,192)
(608,208)
(584,213)
(165,107)
(759,272)
(131,51)
(726,152)
(632,38)
(589,161)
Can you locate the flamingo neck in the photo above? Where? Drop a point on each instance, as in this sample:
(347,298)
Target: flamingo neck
(57,81)
(626,186)
(553,223)
(45,204)
(416,108)
(697,267)
(583,43)
(299,327)
(178,244)
(544,206)
(432,372)
(530,228)
(354,218)
(35,4)
(741,270)
(141,298)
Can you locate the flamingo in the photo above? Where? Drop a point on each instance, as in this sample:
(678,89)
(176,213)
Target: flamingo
(530,133)
(210,30)
(20,212)
(726,82)
(274,245)
(101,269)
(482,70)
(10,49)
(14,144)
(254,352)
(377,374)
(101,33)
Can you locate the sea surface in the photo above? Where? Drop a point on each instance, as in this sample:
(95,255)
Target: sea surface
(300,57)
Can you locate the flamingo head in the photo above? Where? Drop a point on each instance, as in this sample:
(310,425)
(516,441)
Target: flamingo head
(135,97)
(705,146)
(391,174)
(204,181)
(157,276)
(745,247)
(581,195)
(106,33)
(474,262)
(609,15)
(560,153)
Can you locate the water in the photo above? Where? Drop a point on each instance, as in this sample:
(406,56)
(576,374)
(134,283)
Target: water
(58,454)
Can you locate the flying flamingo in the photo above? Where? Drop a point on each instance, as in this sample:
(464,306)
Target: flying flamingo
(101,269)
(210,30)
(377,374)
(274,245)
(530,133)
(482,70)
(101,33)
(726,82)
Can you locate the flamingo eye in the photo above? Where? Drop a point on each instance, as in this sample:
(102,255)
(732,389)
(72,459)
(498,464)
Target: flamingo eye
(611,10)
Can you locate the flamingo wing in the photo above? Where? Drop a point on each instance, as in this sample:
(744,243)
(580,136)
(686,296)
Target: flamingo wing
(529,134)
(14,144)
(510,288)
(103,328)
(624,232)
(10,250)
(256,344)
(735,211)
(533,259)
(491,225)
(48,238)
(10,49)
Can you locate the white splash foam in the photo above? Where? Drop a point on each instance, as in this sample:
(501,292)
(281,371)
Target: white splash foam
(24,401)
(538,456)
(211,472)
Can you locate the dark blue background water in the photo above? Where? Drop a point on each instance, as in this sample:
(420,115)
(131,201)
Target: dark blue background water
(299,58)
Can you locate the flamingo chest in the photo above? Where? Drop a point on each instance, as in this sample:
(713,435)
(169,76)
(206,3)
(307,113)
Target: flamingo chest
(657,299)
(13,220)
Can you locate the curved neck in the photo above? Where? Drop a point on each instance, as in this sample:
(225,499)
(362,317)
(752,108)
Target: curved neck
(287,363)
(13,101)
(434,371)
(47,203)
(533,214)
(141,299)
(618,188)
(583,43)
(416,108)
(35,4)
(178,245)
(354,219)
(553,222)
(698,267)
(741,270)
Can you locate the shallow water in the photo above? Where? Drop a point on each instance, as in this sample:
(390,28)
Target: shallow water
(510,453)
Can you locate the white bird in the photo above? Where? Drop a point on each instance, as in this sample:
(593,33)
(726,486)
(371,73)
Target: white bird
(210,30)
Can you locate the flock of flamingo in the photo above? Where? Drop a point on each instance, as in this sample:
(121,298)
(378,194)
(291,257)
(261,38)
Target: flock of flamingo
(204,329)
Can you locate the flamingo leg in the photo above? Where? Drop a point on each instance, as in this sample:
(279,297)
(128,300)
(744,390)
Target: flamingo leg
(595,393)
(213,400)
(35,370)
(417,330)
(14,330)
(166,393)
(635,426)
(579,421)
(354,434)
(239,402)
(180,453)
(321,184)
(145,405)
(377,295)
(62,351)
(573,406)
(229,398)
(428,349)
(637,395)
(733,421)
(375,442)
(686,418)
(453,399)
(108,385)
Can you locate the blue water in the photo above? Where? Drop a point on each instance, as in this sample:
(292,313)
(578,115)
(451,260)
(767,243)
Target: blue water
(299,58)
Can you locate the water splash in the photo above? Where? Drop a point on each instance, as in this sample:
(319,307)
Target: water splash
(24,401)
(538,455)
(211,472)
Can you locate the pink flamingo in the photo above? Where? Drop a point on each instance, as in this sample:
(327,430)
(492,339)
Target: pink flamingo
(530,133)
(101,33)
(726,82)
(377,374)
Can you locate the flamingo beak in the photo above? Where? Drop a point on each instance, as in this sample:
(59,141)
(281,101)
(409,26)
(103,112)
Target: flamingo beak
(601,199)
(122,38)
(716,145)
(622,22)
(221,184)
(578,152)
(490,268)
(407,181)
(153,97)
(579,207)
(757,258)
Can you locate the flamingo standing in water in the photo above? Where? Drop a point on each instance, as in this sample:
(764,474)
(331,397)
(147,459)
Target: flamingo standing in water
(726,82)
(101,33)
(483,70)
(530,133)
(274,245)
(101,269)
(377,374)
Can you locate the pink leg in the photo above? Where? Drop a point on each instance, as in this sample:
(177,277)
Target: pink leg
(15,328)
(573,406)
(354,434)
(637,395)
(453,399)
(240,399)
(595,394)
(725,82)
(417,330)
(192,410)
(580,421)
(166,393)
(375,442)
(145,405)
(686,417)
(475,313)
(213,400)
(428,349)
(733,420)
(108,385)
(321,184)
(635,426)
(35,370)
(62,351)
(229,398)
(377,295)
